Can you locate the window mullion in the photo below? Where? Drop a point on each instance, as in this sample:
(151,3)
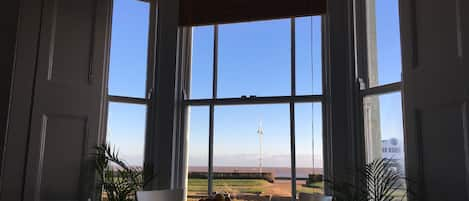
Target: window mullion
(292,57)
(210,149)
(215,62)
(326,105)
(212,109)
(292,109)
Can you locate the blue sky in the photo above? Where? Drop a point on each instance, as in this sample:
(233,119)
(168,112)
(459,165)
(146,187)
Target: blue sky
(254,59)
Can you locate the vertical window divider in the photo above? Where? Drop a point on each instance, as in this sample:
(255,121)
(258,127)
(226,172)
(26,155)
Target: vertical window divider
(212,109)
(210,150)
(148,170)
(292,108)
(312,88)
(151,50)
(326,104)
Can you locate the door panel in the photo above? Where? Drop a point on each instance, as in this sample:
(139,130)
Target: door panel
(71,37)
(443,148)
(69,135)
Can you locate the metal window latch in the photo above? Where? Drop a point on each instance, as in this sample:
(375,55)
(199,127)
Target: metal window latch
(184,94)
(251,97)
(361,83)
(149,93)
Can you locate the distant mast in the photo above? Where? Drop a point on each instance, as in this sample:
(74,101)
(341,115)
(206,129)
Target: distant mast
(260,132)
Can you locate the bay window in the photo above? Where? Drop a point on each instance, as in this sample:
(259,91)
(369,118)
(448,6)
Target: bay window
(262,102)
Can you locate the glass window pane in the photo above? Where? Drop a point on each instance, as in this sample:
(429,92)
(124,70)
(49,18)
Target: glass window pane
(198,153)
(252,142)
(385,57)
(308,55)
(384,134)
(309,149)
(129,41)
(254,59)
(126,131)
(202,62)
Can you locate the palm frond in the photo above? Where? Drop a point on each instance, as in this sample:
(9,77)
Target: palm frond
(117,180)
(377,181)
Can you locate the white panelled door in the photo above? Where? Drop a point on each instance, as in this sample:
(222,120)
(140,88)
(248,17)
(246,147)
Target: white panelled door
(68,100)
(436,97)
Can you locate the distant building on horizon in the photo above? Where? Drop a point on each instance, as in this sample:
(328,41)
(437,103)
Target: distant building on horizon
(393,149)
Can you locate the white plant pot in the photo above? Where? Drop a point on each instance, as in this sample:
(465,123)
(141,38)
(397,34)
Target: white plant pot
(161,195)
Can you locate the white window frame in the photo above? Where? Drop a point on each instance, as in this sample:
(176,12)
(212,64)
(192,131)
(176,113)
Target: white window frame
(150,69)
(253,100)
(366,55)
(341,152)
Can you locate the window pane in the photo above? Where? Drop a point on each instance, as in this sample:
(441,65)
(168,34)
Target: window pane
(202,62)
(126,131)
(385,56)
(128,62)
(309,150)
(254,142)
(254,59)
(308,55)
(198,153)
(384,135)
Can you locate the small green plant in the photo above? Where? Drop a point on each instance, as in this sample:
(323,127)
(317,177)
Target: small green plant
(377,181)
(117,180)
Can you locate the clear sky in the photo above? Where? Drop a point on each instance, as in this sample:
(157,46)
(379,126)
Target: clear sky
(254,59)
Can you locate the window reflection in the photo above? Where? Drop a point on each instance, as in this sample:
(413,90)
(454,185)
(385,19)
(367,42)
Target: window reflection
(384,43)
(384,136)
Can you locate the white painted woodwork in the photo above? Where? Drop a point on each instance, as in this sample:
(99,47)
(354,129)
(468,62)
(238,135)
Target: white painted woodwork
(161,195)
(68,97)
(436,97)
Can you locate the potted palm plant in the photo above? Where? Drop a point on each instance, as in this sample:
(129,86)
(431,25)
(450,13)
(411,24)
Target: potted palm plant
(377,181)
(117,180)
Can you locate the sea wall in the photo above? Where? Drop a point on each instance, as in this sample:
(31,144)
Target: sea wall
(268,176)
(313,178)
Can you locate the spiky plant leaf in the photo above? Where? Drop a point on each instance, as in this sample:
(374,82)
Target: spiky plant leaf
(377,181)
(117,180)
